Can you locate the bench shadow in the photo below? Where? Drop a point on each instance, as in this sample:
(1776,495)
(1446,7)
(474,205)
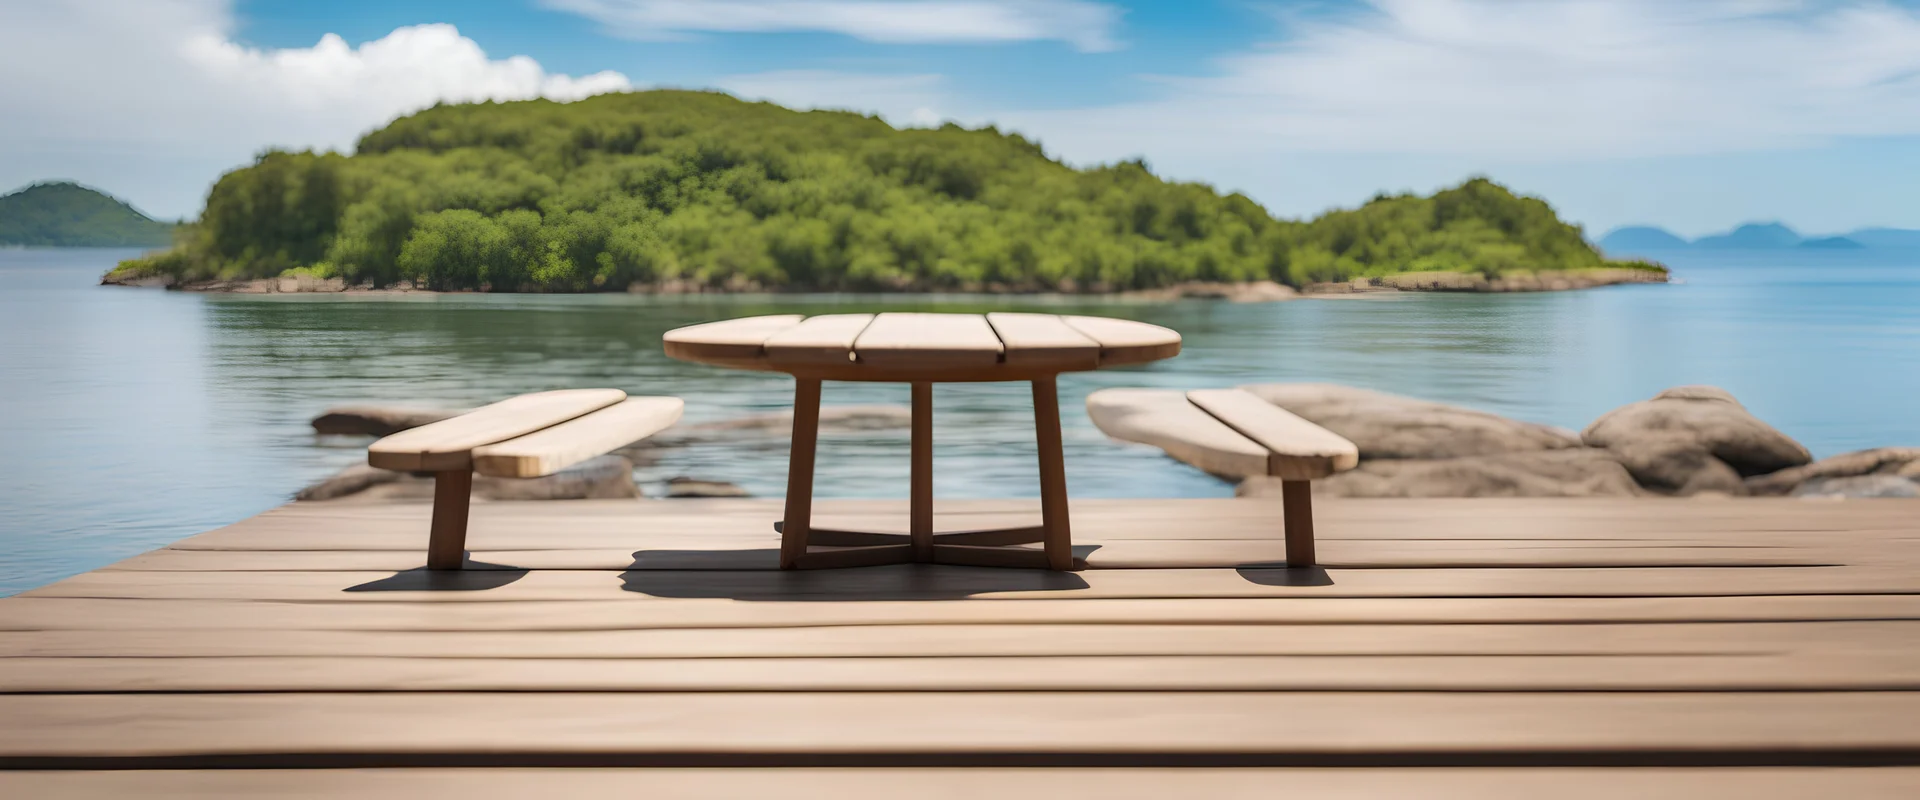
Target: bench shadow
(1279,574)
(753,575)
(477,576)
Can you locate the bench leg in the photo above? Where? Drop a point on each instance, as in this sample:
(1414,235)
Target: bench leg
(1053,475)
(1296,511)
(447,538)
(920,475)
(798,522)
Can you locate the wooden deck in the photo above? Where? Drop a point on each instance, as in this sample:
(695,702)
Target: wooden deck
(1457,648)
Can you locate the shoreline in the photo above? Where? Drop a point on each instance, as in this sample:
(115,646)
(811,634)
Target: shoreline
(1241,292)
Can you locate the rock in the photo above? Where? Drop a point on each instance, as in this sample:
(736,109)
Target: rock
(1575,472)
(1901,461)
(371,420)
(605,477)
(694,487)
(1390,426)
(1697,392)
(833,419)
(599,478)
(1680,468)
(1859,486)
(1700,418)
(352,480)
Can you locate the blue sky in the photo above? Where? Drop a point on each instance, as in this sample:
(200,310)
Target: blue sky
(1696,115)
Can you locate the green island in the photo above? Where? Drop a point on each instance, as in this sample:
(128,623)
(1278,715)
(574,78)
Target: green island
(696,191)
(61,214)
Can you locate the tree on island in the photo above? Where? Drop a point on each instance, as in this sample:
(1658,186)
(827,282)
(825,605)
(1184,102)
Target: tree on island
(697,187)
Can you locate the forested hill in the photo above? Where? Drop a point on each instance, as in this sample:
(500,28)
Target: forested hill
(71,215)
(700,188)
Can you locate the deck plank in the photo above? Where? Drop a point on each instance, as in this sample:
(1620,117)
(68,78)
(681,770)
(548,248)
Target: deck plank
(655,727)
(1774,783)
(1137,672)
(1512,642)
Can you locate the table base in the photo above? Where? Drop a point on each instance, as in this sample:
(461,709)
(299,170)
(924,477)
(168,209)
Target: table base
(987,548)
(983,548)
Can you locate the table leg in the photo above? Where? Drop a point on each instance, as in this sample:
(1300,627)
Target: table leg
(806,434)
(1053,474)
(920,518)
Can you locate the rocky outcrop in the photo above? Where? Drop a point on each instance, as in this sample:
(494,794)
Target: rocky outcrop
(1687,440)
(1901,462)
(1859,486)
(1248,292)
(601,478)
(1572,472)
(1518,281)
(374,420)
(684,486)
(1390,426)
(779,424)
(1693,438)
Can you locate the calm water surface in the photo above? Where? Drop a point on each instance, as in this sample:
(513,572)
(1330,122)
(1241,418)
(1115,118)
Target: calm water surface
(131,418)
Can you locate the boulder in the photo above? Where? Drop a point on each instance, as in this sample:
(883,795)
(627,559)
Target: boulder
(684,486)
(599,478)
(605,477)
(1678,468)
(1703,419)
(1859,486)
(1390,426)
(372,420)
(1900,461)
(833,419)
(352,480)
(1573,472)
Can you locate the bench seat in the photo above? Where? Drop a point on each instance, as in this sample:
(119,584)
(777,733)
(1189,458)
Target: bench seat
(529,436)
(1234,433)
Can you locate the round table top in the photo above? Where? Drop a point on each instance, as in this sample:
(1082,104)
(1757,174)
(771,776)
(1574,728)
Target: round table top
(923,347)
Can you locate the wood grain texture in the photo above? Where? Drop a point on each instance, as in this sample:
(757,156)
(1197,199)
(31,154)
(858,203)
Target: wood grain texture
(1299,450)
(1044,339)
(731,342)
(447,445)
(825,339)
(1306,724)
(1125,341)
(1694,648)
(972,783)
(1166,419)
(550,450)
(928,341)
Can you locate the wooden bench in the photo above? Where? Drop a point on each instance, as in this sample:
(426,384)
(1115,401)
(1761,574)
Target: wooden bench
(528,436)
(1233,432)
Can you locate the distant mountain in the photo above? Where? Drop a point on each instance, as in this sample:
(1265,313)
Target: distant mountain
(1886,237)
(1639,238)
(1752,236)
(71,215)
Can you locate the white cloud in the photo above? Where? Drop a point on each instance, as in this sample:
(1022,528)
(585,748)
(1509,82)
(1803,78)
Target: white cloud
(903,100)
(154,99)
(1086,25)
(1536,81)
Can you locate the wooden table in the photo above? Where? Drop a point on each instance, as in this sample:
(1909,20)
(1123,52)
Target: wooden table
(924,349)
